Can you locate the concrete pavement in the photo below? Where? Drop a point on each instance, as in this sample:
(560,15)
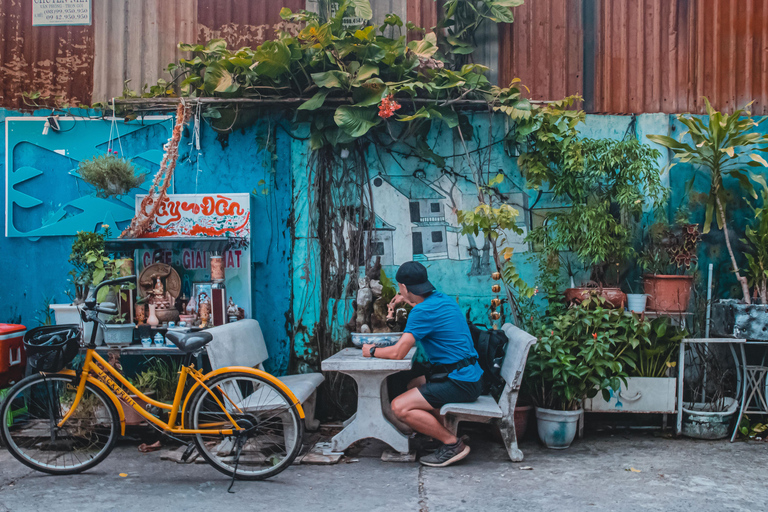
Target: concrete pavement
(594,474)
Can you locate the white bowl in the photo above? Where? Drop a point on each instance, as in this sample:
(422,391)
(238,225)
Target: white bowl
(380,339)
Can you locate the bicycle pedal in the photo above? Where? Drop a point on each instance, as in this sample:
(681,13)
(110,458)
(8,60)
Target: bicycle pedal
(188,452)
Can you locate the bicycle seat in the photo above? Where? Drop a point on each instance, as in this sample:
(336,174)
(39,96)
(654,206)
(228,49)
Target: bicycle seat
(189,342)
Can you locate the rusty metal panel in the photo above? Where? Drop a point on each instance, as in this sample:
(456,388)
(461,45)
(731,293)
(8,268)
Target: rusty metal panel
(53,60)
(243,22)
(137,40)
(544,48)
(663,56)
(422,13)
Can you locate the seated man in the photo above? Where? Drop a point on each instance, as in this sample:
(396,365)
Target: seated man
(454,374)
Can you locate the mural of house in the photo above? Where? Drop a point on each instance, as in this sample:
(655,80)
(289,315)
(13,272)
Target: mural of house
(460,193)
(417,213)
(380,237)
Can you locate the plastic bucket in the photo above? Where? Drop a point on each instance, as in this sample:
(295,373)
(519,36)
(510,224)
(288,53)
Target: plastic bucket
(636,302)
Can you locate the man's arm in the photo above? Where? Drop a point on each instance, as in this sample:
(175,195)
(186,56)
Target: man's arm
(397,351)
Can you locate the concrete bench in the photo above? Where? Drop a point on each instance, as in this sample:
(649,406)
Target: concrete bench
(242,344)
(485,409)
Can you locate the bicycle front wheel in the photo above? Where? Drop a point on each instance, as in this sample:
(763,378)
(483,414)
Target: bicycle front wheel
(30,417)
(272,427)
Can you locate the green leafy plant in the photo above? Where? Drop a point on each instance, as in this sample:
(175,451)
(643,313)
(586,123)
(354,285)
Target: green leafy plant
(670,249)
(145,381)
(86,243)
(749,430)
(606,183)
(658,347)
(352,79)
(717,142)
(110,175)
(756,239)
(463,18)
(589,349)
(495,224)
(165,375)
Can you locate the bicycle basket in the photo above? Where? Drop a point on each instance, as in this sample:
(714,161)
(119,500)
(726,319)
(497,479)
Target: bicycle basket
(51,347)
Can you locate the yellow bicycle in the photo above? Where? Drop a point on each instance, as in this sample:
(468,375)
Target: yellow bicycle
(245,422)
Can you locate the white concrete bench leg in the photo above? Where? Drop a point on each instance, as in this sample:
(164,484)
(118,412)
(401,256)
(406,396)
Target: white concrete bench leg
(310,422)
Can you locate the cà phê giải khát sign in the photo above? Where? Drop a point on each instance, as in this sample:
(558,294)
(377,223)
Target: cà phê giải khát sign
(200,216)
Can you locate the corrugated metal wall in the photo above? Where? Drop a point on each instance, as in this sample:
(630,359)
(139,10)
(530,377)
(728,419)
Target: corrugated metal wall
(544,48)
(623,56)
(136,40)
(242,22)
(662,56)
(53,60)
(633,56)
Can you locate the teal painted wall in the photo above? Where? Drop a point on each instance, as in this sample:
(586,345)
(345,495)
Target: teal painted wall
(285,250)
(35,268)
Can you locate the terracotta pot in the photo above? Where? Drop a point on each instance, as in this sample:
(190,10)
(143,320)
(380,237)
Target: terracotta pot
(668,293)
(131,416)
(614,296)
(521,420)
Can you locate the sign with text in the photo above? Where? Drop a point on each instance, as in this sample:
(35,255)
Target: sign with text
(200,216)
(61,12)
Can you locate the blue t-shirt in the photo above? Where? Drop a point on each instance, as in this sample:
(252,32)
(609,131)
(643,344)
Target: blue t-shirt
(439,325)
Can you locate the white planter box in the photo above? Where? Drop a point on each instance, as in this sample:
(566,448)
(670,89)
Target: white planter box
(643,394)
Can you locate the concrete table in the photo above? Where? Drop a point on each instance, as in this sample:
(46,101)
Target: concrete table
(370,421)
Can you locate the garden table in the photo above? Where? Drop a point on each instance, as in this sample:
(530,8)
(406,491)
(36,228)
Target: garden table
(371,374)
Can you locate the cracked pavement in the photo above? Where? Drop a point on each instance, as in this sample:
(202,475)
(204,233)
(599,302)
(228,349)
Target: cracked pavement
(596,473)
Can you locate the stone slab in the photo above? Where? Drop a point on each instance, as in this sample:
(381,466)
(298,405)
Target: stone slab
(351,359)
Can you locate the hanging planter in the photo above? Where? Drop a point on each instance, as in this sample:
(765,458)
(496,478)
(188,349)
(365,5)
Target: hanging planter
(110,175)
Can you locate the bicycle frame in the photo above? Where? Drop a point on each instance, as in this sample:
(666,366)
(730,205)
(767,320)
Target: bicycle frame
(110,381)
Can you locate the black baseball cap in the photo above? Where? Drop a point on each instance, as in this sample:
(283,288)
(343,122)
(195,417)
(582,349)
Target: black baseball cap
(413,275)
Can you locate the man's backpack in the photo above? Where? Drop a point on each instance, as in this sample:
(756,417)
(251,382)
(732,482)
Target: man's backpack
(490,346)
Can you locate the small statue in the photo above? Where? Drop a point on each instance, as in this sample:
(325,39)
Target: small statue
(364,303)
(140,313)
(204,309)
(233,312)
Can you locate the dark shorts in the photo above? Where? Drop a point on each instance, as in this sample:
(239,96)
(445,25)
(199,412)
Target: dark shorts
(450,391)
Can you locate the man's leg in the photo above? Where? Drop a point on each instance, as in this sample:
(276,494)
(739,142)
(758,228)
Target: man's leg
(413,409)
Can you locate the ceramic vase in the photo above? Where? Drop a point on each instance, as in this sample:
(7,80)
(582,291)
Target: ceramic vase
(152,320)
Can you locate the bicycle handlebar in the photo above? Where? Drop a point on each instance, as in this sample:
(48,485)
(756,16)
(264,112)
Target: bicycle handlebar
(90,302)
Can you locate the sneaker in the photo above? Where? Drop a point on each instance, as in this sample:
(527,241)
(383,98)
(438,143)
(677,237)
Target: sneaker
(446,455)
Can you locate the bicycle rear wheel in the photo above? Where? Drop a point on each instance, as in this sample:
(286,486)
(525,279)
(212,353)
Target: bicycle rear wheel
(29,419)
(274,427)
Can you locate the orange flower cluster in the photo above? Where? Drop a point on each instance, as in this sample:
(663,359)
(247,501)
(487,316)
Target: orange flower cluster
(388,106)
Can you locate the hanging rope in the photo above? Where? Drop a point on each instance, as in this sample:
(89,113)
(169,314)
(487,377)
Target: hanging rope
(158,192)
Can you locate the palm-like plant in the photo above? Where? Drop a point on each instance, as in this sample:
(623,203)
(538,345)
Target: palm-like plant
(718,142)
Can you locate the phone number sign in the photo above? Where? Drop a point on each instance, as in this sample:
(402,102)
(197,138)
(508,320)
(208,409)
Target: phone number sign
(61,12)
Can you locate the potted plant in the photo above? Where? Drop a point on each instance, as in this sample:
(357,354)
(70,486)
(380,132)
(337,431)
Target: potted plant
(669,254)
(582,354)
(710,408)
(117,332)
(146,382)
(81,278)
(718,142)
(605,185)
(649,387)
(110,175)
(732,318)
